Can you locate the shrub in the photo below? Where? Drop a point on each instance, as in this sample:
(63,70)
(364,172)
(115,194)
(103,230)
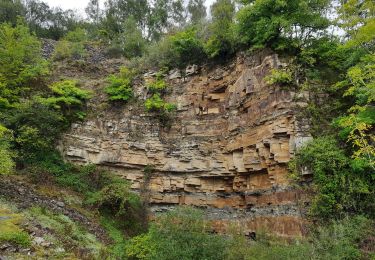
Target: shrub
(181,234)
(120,88)
(71,46)
(279,77)
(342,186)
(188,47)
(341,239)
(35,128)
(21,65)
(68,98)
(119,205)
(69,233)
(157,86)
(162,54)
(221,40)
(6,157)
(281,24)
(156,104)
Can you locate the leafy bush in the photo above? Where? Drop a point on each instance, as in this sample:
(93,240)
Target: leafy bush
(132,39)
(342,185)
(158,85)
(188,47)
(181,234)
(120,88)
(156,104)
(221,40)
(161,54)
(21,65)
(72,46)
(35,128)
(69,233)
(281,24)
(6,158)
(341,239)
(68,98)
(281,77)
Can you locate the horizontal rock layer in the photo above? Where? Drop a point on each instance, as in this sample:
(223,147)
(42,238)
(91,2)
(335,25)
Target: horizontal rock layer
(227,148)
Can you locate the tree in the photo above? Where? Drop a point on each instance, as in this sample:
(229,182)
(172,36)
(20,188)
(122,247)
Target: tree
(93,11)
(188,47)
(358,20)
(6,160)
(220,42)
(197,11)
(131,39)
(281,24)
(10,10)
(21,65)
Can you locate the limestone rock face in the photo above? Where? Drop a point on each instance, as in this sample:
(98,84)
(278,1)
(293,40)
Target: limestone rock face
(226,151)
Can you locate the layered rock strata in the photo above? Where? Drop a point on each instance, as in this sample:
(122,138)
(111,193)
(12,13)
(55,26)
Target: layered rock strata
(227,148)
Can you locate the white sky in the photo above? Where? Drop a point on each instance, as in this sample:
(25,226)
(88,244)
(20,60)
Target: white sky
(81,4)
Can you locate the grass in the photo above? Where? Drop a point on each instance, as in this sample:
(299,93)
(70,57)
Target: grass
(10,230)
(117,250)
(69,234)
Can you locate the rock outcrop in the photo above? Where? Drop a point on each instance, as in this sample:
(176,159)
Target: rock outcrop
(226,151)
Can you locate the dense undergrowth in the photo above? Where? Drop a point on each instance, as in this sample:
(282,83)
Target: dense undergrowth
(336,69)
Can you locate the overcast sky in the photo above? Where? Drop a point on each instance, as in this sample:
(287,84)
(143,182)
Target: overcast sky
(81,4)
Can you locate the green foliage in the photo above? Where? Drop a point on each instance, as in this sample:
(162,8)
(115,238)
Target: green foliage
(188,47)
(72,46)
(69,233)
(357,126)
(221,40)
(341,239)
(156,104)
(6,157)
(68,98)
(141,247)
(35,128)
(281,24)
(341,185)
(10,230)
(116,233)
(182,234)
(158,85)
(280,77)
(21,64)
(120,88)
(10,10)
(132,40)
(117,198)
(161,54)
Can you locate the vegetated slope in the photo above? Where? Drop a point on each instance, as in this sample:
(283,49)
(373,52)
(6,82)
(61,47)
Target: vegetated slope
(36,109)
(47,222)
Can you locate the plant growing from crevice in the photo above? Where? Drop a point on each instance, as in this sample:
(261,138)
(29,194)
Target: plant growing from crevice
(156,104)
(120,85)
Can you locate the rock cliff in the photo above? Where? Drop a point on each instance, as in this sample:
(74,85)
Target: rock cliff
(227,148)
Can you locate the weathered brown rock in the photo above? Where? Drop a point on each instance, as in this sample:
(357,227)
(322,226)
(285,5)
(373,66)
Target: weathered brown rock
(227,149)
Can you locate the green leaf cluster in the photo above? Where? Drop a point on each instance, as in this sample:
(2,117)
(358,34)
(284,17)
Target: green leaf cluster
(21,65)
(120,87)
(68,98)
(341,184)
(281,24)
(72,46)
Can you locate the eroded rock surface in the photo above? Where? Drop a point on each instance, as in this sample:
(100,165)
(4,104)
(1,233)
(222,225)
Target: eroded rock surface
(226,151)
